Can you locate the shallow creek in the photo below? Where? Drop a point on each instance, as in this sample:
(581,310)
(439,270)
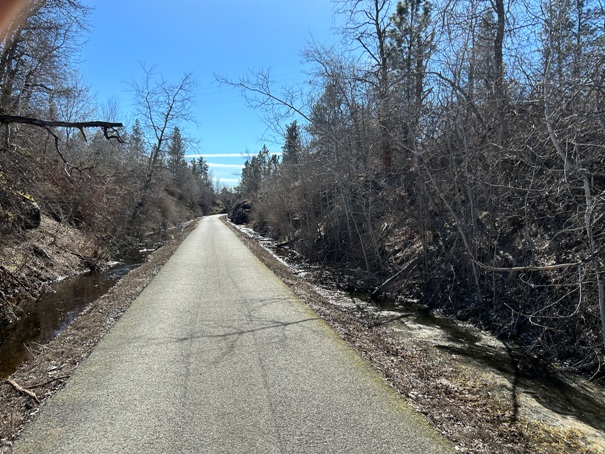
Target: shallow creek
(534,388)
(41,320)
(537,387)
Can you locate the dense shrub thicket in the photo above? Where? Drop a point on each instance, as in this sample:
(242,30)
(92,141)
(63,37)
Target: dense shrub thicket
(461,141)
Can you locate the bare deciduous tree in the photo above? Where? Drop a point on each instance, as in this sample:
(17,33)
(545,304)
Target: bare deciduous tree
(161,105)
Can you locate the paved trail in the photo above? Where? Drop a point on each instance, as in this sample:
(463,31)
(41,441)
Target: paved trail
(218,356)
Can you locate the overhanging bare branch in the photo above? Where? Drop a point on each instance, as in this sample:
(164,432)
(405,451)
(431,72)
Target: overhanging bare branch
(109,128)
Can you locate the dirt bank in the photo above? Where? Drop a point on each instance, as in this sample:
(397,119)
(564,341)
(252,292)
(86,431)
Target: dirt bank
(30,259)
(52,364)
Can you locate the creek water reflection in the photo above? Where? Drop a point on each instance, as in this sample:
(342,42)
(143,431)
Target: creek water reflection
(43,319)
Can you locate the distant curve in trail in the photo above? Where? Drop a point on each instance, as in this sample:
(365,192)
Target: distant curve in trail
(217,355)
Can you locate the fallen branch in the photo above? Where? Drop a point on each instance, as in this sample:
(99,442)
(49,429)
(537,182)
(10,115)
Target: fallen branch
(393,279)
(22,390)
(63,377)
(385,322)
(523,268)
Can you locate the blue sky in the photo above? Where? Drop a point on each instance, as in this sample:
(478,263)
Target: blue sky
(204,37)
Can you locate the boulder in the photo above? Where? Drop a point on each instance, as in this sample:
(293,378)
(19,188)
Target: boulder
(240,213)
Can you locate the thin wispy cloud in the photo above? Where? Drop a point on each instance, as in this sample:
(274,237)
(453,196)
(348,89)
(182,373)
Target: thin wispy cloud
(229,180)
(225,166)
(216,155)
(224,155)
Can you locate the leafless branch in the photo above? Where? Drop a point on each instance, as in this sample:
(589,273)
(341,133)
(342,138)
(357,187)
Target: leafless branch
(558,266)
(109,128)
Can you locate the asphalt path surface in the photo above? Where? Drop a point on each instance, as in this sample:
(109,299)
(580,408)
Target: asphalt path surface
(218,356)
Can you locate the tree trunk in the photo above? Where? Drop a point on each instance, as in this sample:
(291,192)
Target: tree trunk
(499,68)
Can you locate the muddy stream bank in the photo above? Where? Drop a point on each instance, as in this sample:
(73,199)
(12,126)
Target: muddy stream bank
(49,365)
(530,388)
(41,320)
